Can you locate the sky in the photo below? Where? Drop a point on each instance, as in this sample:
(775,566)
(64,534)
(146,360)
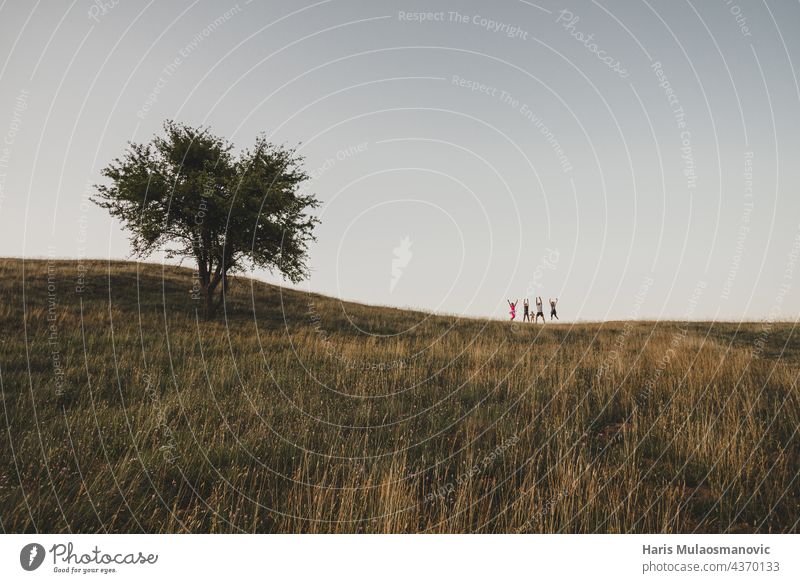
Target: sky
(634,159)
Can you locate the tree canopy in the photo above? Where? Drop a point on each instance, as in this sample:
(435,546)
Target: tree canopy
(188,194)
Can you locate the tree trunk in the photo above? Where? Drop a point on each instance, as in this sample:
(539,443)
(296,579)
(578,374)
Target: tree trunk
(210,277)
(210,307)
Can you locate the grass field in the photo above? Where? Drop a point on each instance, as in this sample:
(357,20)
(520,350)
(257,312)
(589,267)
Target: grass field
(123,412)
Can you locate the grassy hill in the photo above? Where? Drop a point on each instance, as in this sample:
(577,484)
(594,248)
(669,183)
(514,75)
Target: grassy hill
(123,412)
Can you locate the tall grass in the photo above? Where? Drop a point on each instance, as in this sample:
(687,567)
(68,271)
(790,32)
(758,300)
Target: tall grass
(123,411)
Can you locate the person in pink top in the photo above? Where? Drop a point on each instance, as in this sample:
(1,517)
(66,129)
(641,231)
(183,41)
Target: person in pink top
(513,307)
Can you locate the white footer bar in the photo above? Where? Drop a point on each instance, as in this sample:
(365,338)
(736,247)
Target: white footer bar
(354,558)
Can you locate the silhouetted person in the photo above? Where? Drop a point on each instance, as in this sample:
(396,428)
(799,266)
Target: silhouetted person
(553,309)
(539,311)
(526,317)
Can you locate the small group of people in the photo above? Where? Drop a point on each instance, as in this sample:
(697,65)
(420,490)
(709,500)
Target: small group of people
(527,317)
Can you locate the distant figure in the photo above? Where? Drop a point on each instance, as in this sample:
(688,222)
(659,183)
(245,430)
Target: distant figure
(553,309)
(513,307)
(526,317)
(539,311)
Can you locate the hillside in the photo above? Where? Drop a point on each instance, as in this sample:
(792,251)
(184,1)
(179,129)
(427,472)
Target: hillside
(124,412)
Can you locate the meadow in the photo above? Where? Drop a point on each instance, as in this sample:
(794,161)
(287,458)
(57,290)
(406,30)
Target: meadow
(124,411)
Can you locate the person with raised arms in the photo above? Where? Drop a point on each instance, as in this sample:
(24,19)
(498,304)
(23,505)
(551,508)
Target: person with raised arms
(553,309)
(513,307)
(539,311)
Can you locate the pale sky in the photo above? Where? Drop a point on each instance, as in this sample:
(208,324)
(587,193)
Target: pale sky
(635,159)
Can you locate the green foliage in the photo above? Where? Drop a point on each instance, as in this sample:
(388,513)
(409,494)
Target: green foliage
(187,193)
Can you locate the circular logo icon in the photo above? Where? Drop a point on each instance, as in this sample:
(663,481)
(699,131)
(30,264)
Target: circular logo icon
(31,556)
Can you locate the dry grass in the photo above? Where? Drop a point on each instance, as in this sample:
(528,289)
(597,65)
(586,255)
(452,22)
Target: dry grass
(283,417)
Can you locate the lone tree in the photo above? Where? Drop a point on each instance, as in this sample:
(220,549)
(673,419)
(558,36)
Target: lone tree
(188,194)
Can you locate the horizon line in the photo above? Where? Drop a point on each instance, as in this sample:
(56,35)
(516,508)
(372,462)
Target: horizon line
(764,319)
